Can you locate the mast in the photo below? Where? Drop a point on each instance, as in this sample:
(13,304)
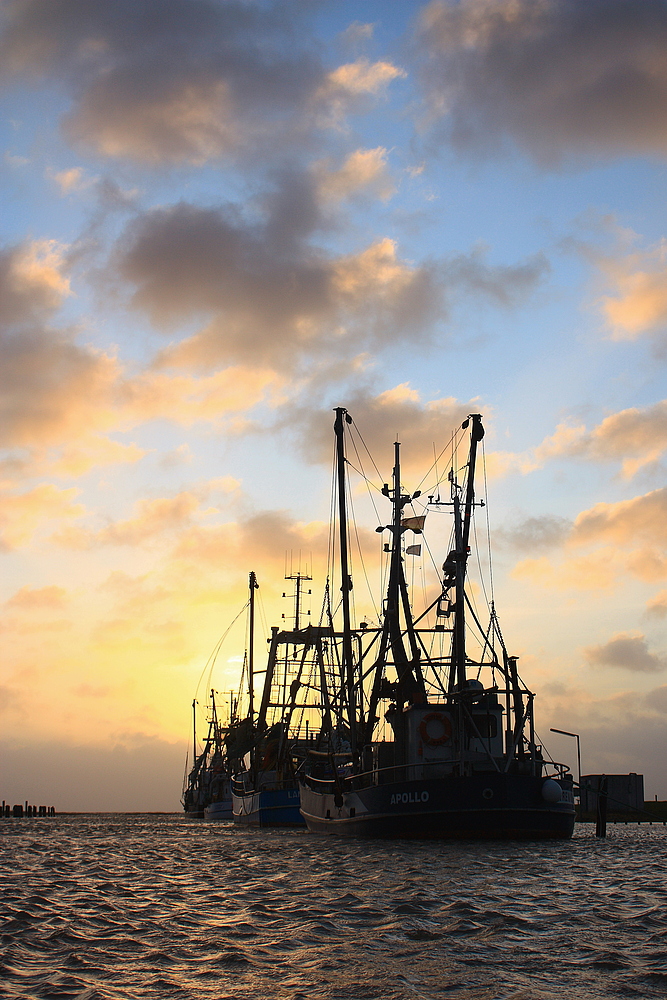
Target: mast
(410,684)
(394,588)
(462,522)
(194,731)
(252,582)
(346,581)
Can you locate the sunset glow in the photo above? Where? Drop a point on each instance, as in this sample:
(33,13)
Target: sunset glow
(223,219)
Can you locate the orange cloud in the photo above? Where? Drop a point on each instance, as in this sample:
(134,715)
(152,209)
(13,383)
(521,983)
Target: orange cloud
(365,170)
(33,282)
(642,518)
(23,515)
(187,399)
(627,537)
(657,606)
(596,571)
(153,518)
(638,304)
(364,77)
(29,598)
(635,437)
(351,88)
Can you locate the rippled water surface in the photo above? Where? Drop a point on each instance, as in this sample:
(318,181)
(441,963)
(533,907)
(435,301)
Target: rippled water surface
(161,906)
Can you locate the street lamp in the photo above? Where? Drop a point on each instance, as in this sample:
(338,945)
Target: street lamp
(575,736)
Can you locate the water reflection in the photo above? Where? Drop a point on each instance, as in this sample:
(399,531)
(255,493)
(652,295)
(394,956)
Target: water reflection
(161,907)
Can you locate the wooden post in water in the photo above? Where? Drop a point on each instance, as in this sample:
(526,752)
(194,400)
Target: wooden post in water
(601,821)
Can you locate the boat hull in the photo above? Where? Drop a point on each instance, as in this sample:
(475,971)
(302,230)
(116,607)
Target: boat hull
(219,810)
(268,807)
(489,806)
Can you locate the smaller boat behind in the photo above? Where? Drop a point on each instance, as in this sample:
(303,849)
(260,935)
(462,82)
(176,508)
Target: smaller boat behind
(208,790)
(265,792)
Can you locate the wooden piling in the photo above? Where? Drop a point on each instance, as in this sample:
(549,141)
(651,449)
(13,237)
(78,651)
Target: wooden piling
(601,818)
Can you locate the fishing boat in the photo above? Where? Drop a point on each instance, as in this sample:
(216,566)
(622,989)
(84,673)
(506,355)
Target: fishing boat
(430,730)
(265,792)
(207,793)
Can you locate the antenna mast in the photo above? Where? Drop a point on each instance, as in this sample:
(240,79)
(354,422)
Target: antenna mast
(346,580)
(253,585)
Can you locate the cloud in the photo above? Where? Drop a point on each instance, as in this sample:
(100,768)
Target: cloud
(626,651)
(503,285)
(356,34)
(657,606)
(73,179)
(60,399)
(643,518)
(266,296)
(153,518)
(15,162)
(637,303)
(51,598)
(628,537)
(263,537)
(557,77)
(181,81)
(595,571)
(52,389)
(397,412)
(91,451)
(185,81)
(188,399)
(22,515)
(351,88)
(365,170)
(33,284)
(637,437)
(535,534)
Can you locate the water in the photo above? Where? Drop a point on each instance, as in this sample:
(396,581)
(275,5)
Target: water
(97,907)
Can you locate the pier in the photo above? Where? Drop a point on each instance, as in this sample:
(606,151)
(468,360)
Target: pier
(25,810)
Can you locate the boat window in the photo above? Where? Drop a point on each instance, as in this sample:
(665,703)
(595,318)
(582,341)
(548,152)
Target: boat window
(487,725)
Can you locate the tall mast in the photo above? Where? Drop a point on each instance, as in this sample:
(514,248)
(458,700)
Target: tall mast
(346,581)
(194,730)
(462,521)
(410,684)
(252,582)
(394,587)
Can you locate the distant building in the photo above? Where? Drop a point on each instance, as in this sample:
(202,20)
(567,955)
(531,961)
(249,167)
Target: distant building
(625,792)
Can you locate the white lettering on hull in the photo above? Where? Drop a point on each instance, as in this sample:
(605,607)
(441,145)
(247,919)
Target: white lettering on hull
(408,798)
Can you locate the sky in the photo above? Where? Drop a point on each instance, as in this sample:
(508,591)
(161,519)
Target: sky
(223,219)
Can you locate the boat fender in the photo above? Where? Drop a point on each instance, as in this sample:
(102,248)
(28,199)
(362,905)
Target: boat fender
(427,737)
(551,791)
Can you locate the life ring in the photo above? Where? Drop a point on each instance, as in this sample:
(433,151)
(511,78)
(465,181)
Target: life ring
(428,738)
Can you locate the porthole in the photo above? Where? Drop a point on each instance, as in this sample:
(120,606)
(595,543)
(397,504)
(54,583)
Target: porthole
(487,793)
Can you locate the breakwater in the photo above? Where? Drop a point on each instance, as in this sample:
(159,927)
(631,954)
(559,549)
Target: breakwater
(21,810)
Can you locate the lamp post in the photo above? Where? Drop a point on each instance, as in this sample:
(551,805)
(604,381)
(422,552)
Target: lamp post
(575,736)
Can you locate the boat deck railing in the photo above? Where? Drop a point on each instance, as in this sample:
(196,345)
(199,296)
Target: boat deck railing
(240,788)
(339,780)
